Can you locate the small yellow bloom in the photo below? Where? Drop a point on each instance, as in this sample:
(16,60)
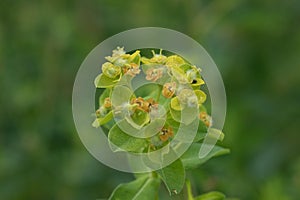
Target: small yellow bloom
(169,89)
(158,58)
(110,70)
(174,61)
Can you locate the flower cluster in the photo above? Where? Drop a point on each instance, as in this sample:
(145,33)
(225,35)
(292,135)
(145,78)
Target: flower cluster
(121,63)
(178,84)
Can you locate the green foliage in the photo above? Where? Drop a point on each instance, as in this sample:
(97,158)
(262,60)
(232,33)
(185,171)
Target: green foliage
(143,188)
(190,158)
(172,101)
(173,176)
(255,44)
(125,142)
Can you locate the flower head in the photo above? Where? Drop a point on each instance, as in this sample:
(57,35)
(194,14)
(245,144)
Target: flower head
(117,54)
(110,70)
(169,89)
(145,105)
(154,74)
(166,133)
(174,61)
(158,58)
(131,69)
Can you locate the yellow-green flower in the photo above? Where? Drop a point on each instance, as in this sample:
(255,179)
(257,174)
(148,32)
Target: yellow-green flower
(157,58)
(110,70)
(174,61)
(116,53)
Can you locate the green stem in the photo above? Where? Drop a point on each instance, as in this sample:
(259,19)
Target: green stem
(189,190)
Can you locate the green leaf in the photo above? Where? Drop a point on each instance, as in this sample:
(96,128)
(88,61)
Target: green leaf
(211,196)
(121,95)
(125,142)
(173,176)
(201,131)
(147,91)
(190,158)
(103,81)
(143,188)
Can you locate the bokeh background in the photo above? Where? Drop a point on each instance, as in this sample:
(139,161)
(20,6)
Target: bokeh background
(256,45)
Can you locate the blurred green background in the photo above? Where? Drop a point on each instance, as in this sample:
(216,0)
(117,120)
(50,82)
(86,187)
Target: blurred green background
(256,45)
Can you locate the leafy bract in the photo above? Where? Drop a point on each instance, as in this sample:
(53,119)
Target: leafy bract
(190,158)
(121,141)
(143,188)
(173,176)
(103,81)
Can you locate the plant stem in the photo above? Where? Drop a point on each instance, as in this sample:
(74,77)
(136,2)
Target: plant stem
(189,190)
